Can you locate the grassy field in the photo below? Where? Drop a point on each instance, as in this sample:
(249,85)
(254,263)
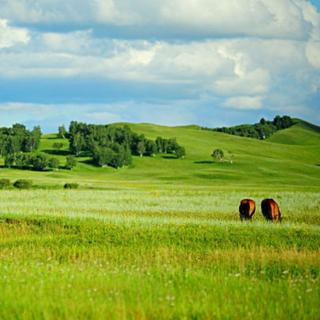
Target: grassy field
(162,239)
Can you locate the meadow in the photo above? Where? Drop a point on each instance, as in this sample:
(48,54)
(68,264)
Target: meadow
(162,239)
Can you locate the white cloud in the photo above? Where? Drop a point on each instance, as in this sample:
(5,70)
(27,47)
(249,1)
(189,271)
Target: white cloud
(246,52)
(244,102)
(225,68)
(10,36)
(290,19)
(313,53)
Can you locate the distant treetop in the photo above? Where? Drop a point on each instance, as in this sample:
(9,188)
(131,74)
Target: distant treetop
(262,130)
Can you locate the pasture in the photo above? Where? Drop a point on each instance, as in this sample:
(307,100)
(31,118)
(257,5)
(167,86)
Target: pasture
(163,239)
(156,255)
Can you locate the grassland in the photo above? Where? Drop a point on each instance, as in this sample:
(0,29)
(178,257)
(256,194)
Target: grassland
(162,239)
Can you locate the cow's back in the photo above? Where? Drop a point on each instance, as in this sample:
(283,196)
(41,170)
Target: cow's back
(247,208)
(270,210)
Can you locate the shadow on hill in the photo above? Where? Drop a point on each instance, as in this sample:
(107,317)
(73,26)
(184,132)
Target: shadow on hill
(204,162)
(173,157)
(90,162)
(57,152)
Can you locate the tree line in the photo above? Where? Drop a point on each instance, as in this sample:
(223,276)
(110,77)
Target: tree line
(19,148)
(17,140)
(261,130)
(109,145)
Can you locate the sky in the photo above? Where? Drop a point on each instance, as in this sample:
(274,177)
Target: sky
(172,62)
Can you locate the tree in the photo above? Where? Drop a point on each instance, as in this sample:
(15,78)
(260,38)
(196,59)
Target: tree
(35,138)
(39,161)
(262,121)
(22,160)
(217,154)
(9,160)
(172,145)
(70,162)
(77,144)
(141,148)
(159,144)
(53,163)
(180,152)
(151,148)
(62,132)
(103,156)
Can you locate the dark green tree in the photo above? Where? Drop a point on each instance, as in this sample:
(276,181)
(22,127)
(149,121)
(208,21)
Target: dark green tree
(71,162)
(9,160)
(151,148)
(39,161)
(53,163)
(141,148)
(103,156)
(217,154)
(62,132)
(22,160)
(180,152)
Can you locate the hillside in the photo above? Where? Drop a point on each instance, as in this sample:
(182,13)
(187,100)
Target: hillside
(290,158)
(303,133)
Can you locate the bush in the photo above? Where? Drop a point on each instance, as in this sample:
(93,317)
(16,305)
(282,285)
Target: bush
(70,162)
(217,154)
(39,162)
(23,184)
(4,183)
(71,186)
(53,163)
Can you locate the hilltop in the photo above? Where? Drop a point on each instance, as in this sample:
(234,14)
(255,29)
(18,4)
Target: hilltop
(290,158)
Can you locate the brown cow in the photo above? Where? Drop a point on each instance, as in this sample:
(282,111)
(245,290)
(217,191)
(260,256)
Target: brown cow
(270,210)
(247,209)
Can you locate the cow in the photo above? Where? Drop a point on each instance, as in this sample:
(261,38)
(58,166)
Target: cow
(247,209)
(270,210)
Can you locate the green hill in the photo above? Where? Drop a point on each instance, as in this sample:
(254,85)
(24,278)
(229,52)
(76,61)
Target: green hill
(290,158)
(303,133)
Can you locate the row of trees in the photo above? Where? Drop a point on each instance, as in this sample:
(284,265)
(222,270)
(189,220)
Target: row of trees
(261,130)
(37,161)
(114,146)
(18,139)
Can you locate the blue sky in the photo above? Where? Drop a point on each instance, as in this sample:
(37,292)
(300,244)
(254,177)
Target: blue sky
(173,62)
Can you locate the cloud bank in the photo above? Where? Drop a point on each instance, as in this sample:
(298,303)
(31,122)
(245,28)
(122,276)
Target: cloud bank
(255,55)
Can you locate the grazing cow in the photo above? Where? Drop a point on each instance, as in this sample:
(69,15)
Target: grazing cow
(247,209)
(270,210)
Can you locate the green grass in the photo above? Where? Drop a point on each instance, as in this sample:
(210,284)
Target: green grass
(162,239)
(290,158)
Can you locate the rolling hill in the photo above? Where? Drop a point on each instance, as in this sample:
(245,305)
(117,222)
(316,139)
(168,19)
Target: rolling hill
(288,159)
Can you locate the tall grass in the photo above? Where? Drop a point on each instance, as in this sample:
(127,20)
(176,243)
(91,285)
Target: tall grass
(158,254)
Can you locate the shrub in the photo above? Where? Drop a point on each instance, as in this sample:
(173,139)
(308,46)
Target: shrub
(4,183)
(53,163)
(23,184)
(39,162)
(71,186)
(180,152)
(217,154)
(70,162)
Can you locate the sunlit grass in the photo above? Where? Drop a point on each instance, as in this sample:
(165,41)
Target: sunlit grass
(162,239)
(156,255)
